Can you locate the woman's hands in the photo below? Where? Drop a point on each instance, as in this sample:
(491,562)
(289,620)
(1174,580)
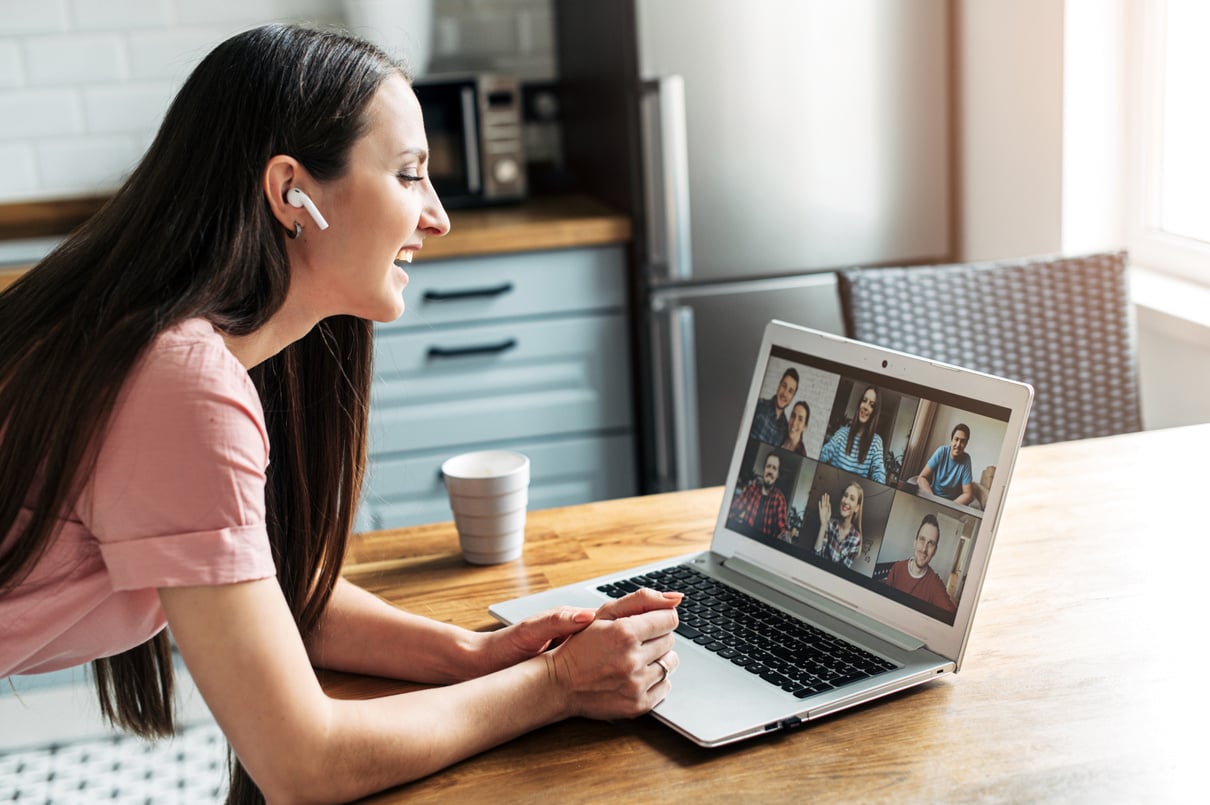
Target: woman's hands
(825,514)
(531,637)
(609,670)
(603,661)
(825,507)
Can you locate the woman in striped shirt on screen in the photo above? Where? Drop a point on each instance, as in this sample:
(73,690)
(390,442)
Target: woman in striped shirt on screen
(857,447)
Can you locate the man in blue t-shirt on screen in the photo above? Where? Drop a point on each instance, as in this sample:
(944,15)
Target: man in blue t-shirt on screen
(948,472)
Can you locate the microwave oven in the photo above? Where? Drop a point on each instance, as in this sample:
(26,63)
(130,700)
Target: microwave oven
(476,142)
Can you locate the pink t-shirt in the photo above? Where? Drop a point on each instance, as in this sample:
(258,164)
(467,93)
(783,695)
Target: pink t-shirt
(177,499)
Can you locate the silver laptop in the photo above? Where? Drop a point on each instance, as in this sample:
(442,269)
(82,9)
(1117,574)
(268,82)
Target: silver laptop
(854,534)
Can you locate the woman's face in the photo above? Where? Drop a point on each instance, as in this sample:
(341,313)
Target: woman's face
(866,409)
(379,212)
(850,503)
(797,423)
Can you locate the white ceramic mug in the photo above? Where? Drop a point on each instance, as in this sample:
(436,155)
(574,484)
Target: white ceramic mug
(488,491)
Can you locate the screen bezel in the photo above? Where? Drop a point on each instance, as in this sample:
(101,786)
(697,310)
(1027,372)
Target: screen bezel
(897,371)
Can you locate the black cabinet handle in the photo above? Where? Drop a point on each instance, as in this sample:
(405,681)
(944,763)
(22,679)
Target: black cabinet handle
(474,349)
(467,293)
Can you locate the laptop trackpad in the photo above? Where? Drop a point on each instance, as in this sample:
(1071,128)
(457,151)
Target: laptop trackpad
(734,700)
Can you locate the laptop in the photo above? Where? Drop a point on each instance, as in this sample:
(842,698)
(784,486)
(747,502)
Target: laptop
(842,568)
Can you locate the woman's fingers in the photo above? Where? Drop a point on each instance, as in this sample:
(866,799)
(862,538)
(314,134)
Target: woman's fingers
(664,666)
(638,602)
(611,667)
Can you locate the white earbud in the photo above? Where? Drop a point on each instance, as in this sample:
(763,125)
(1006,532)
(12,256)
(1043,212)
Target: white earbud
(298,198)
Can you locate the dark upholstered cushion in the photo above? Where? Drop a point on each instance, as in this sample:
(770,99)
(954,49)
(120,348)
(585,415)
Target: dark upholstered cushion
(1062,324)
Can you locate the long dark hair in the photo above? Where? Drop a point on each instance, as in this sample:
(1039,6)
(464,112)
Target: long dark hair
(190,234)
(867,430)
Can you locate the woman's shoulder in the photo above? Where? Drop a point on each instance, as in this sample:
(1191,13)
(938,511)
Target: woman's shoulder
(188,377)
(190,332)
(193,353)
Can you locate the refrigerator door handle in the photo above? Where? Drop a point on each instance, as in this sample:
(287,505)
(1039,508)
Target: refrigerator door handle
(470,141)
(678,457)
(666,179)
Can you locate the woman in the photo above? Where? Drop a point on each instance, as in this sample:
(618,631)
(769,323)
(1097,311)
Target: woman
(795,425)
(857,447)
(839,539)
(147,365)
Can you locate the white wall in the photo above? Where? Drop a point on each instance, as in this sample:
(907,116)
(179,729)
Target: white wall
(84,83)
(1095,116)
(1043,121)
(1010,106)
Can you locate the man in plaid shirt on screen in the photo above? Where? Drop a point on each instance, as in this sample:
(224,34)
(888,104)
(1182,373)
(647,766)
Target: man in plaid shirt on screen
(761,508)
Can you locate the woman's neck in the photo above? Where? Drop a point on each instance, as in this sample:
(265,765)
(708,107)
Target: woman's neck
(282,330)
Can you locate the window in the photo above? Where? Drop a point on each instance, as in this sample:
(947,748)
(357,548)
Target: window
(1170,225)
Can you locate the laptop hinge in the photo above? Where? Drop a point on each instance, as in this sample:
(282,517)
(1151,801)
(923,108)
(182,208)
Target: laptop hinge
(798,590)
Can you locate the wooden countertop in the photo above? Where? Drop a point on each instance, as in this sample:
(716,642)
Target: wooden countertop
(1080,682)
(550,222)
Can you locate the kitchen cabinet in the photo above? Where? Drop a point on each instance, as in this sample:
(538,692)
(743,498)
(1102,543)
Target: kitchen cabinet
(523,351)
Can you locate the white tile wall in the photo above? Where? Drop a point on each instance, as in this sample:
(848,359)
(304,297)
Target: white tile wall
(84,83)
(12,71)
(19,17)
(66,59)
(105,15)
(34,114)
(17,176)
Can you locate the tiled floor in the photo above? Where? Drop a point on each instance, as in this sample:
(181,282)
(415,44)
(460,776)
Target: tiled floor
(190,768)
(55,748)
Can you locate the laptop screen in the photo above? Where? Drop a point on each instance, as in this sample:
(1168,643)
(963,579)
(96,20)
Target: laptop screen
(868,477)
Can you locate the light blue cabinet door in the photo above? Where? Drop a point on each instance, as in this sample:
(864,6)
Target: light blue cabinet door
(478,289)
(504,381)
(527,352)
(408,490)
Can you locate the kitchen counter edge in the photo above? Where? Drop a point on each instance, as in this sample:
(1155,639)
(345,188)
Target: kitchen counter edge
(546,222)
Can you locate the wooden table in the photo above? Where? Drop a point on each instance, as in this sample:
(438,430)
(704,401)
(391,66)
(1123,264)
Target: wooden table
(1081,682)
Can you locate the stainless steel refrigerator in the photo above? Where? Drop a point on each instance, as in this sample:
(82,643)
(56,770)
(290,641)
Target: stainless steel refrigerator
(759,146)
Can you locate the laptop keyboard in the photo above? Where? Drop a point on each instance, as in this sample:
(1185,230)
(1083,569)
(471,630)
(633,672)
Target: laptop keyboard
(782,650)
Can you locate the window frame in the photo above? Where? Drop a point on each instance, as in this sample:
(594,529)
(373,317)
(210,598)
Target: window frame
(1149,245)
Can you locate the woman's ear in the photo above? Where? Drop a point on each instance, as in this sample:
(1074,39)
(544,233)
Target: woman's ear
(281,173)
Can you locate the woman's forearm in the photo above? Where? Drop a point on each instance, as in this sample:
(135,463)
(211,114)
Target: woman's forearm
(299,744)
(380,743)
(361,633)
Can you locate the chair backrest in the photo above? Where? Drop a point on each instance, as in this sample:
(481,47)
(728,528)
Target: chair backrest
(1065,325)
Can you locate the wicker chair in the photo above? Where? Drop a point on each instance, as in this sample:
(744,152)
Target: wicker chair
(1062,324)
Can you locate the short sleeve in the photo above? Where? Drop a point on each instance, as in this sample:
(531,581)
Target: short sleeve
(967,476)
(934,460)
(177,497)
